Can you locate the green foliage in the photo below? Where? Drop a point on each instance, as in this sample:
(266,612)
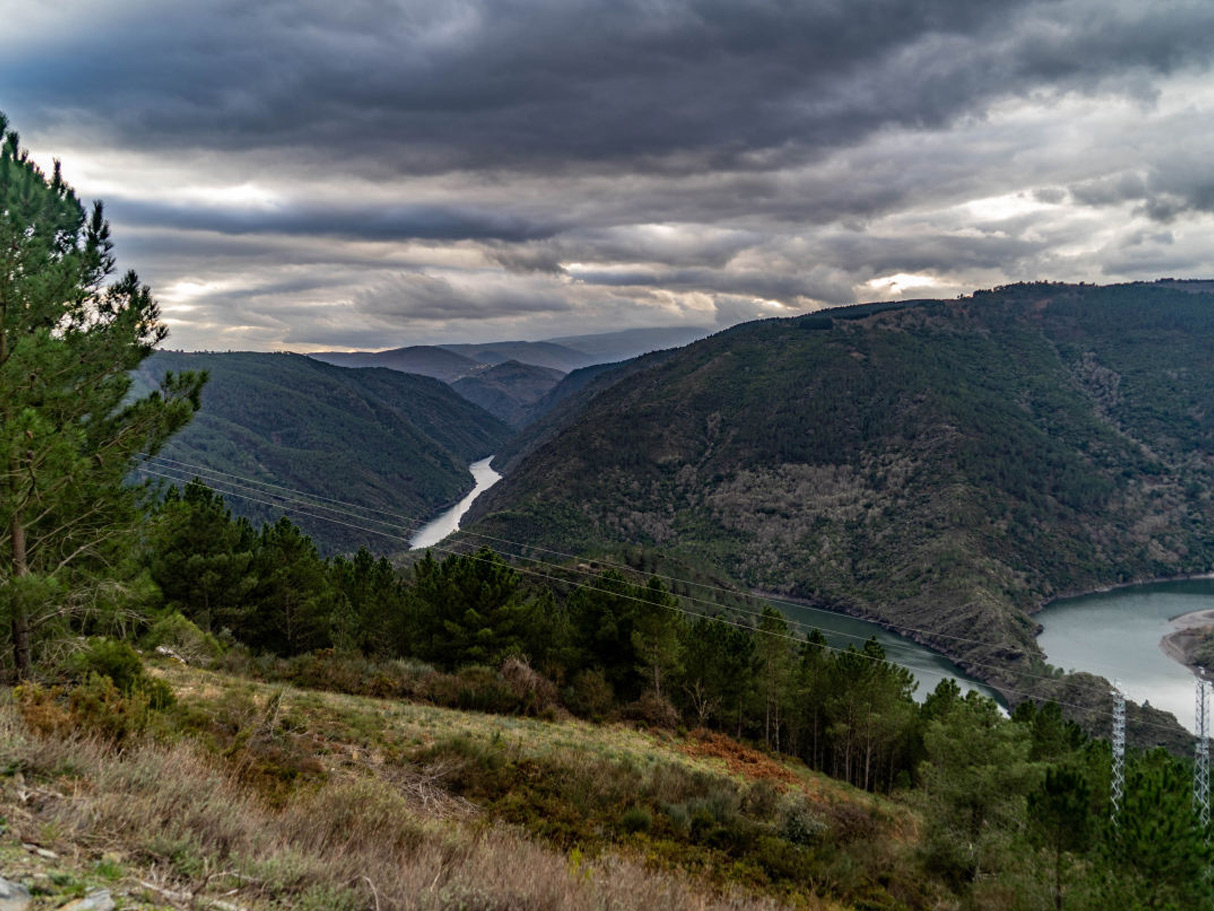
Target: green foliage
(1156,855)
(183,638)
(114,660)
(69,430)
(958,462)
(109,658)
(636,819)
(470,609)
(381,439)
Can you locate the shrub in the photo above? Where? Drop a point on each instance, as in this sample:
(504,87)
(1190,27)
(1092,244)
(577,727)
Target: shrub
(589,695)
(111,658)
(654,710)
(98,706)
(186,640)
(636,819)
(536,694)
(802,826)
(43,710)
(117,661)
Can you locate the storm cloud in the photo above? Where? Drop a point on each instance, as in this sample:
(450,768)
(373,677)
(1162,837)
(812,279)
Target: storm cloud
(311,174)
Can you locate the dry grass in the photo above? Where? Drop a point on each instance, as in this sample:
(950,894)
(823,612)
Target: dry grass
(191,831)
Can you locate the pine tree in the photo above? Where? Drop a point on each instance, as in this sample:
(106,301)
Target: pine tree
(69,434)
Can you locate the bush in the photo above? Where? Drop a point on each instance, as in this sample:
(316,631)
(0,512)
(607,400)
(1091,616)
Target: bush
(802,826)
(111,658)
(589,695)
(536,694)
(654,710)
(636,819)
(185,639)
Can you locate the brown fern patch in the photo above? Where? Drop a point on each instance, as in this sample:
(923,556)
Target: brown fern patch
(739,759)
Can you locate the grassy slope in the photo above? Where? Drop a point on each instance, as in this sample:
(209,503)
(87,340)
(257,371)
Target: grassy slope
(318,800)
(374,437)
(946,466)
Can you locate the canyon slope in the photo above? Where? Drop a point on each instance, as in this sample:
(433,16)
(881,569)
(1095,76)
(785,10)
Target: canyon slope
(943,467)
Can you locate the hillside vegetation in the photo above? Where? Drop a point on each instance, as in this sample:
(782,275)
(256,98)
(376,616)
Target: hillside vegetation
(508,390)
(379,439)
(940,466)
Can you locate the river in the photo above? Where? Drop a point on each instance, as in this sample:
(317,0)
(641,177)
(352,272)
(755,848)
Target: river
(1116,634)
(446,524)
(929,667)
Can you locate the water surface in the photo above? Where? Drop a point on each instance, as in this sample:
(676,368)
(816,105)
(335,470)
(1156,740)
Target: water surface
(928,666)
(448,523)
(1117,634)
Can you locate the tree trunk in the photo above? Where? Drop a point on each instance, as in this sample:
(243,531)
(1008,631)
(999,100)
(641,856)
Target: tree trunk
(21,618)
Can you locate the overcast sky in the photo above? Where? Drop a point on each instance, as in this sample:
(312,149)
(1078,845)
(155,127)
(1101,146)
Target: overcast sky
(376,173)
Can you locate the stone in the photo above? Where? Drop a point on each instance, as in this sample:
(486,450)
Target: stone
(97,900)
(13,896)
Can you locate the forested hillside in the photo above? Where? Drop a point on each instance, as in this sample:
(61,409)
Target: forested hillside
(373,437)
(508,390)
(942,466)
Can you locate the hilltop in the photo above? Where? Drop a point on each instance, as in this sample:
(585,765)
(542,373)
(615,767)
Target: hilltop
(942,466)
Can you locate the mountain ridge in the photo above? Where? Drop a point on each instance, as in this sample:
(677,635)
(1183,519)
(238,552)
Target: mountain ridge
(942,466)
(376,438)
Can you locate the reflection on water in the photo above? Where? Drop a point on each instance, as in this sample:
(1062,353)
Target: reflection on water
(1116,634)
(448,523)
(929,667)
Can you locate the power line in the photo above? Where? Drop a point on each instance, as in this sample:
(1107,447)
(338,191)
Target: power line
(584,585)
(802,625)
(773,599)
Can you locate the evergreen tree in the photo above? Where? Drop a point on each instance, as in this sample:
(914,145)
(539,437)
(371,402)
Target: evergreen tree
(1060,813)
(371,619)
(775,655)
(657,635)
(603,617)
(1157,854)
(200,557)
(292,607)
(471,609)
(69,435)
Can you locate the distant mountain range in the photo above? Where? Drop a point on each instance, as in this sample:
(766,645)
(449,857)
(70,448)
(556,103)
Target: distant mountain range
(939,466)
(511,394)
(384,440)
(392,437)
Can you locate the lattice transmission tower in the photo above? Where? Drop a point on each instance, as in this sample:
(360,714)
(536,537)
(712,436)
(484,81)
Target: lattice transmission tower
(1201,768)
(1117,789)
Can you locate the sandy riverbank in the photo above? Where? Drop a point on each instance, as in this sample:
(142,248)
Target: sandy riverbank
(1190,630)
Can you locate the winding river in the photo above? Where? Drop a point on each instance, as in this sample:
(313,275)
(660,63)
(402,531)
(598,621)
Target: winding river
(1116,634)
(928,667)
(446,524)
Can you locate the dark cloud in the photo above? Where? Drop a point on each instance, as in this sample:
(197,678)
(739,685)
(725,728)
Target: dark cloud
(373,220)
(329,173)
(419,295)
(676,87)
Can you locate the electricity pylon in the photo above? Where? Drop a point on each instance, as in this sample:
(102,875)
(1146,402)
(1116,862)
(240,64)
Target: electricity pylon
(1117,790)
(1201,768)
